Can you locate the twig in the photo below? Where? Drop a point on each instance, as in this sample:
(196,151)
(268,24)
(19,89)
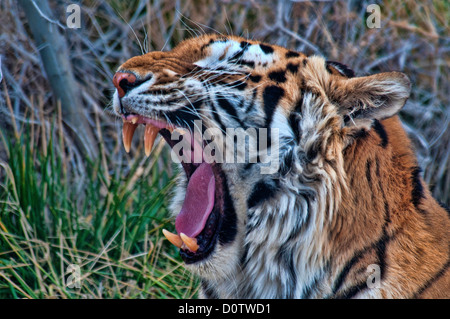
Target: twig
(46,17)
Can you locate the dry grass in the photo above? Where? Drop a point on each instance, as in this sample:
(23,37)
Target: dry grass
(413,38)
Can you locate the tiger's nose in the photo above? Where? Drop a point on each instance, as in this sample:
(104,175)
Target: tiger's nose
(123,82)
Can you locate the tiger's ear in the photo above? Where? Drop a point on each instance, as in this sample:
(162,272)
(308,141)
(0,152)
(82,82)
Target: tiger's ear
(360,100)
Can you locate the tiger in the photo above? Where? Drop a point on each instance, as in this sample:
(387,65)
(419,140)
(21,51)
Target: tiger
(346,213)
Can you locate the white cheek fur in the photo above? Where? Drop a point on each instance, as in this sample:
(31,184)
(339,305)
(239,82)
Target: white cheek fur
(221,52)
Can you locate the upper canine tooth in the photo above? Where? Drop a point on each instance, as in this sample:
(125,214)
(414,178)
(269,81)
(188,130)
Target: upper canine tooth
(127,134)
(134,120)
(149,137)
(190,243)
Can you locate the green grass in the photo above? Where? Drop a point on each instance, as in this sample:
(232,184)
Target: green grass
(107,222)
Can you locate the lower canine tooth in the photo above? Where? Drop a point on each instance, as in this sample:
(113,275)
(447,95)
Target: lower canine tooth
(173,238)
(149,137)
(127,134)
(190,243)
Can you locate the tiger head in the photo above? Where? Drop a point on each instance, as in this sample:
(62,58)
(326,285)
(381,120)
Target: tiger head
(299,112)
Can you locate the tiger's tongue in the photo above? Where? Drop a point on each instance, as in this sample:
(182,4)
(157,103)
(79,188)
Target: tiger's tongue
(198,203)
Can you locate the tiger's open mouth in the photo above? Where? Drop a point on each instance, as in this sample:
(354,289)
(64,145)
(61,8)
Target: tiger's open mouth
(200,220)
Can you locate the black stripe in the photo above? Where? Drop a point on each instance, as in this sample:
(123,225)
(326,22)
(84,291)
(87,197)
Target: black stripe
(352,291)
(417,192)
(248,166)
(271,97)
(328,68)
(285,257)
(294,120)
(237,57)
(380,249)
(240,85)
(229,108)
(241,103)
(267,49)
(361,134)
(251,226)
(207,44)
(432,280)
(292,54)
(368,173)
(314,150)
(262,191)
(287,162)
(348,266)
(228,220)
(292,67)
(341,68)
(377,170)
(244,260)
(244,45)
(379,128)
(346,119)
(250,64)
(278,76)
(255,78)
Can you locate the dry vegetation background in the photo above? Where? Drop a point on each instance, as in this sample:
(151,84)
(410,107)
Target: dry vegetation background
(103,209)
